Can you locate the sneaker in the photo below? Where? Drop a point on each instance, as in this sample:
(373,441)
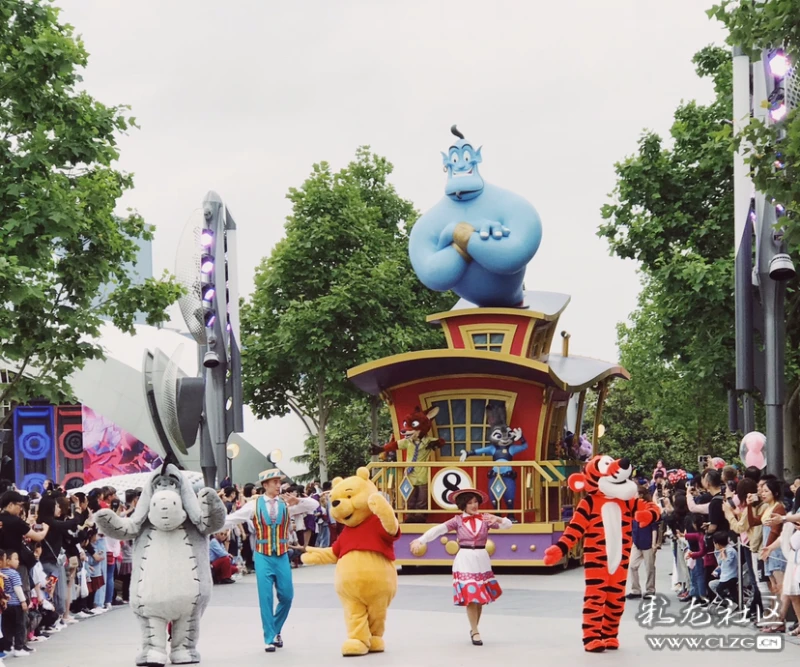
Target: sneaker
(20,654)
(633,596)
(70,621)
(278,641)
(117,603)
(28,649)
(39,638)
(82,614)
(270,648)
(99,610)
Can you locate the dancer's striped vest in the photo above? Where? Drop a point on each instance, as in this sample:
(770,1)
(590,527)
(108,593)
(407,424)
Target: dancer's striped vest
(271,538)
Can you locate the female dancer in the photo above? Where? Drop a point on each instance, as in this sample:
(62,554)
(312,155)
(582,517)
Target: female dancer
(474,583)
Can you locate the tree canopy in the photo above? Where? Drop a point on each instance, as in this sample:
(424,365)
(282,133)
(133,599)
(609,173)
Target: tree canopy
(672,211)
(348,440)
(337,291)
(61,239)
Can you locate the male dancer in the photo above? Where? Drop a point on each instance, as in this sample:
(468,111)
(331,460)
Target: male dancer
(271,514)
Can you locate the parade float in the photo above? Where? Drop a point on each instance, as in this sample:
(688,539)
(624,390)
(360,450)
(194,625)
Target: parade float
(496,398)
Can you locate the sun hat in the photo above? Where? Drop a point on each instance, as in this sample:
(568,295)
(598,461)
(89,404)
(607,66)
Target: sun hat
(272,473)
(484,497)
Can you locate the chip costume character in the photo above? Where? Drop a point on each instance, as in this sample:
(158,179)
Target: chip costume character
(604,519)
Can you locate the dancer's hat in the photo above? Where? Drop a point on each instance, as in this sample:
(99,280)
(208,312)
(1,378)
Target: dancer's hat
(484,497)
(272,473)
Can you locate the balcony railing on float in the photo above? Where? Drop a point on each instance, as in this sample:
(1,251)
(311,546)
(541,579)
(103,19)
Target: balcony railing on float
(542,489)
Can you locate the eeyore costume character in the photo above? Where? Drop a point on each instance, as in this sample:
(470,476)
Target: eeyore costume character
(171,578)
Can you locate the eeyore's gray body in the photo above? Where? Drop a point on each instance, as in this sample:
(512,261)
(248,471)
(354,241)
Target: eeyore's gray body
(171,578)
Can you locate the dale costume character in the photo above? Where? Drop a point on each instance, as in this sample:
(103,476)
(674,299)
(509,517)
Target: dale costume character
(604,519)
(271,514)
(478,239)
(366,576)
(420,447)
(502,449)
(474,583)
(171,577)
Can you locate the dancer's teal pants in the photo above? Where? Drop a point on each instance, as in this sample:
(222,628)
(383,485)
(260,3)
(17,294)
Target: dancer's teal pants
(273,575)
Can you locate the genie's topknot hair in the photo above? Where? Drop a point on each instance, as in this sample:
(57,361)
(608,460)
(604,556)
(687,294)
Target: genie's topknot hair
(455,131)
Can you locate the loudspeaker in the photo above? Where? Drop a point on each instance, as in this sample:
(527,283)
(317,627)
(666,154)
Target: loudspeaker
(34,446)
(69,441)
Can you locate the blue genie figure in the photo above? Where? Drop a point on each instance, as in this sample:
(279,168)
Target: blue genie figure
(478,239)
(501,449)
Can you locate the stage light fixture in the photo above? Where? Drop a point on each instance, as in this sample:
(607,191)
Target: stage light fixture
(779,64)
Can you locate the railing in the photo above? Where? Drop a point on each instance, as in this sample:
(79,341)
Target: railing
(541,487)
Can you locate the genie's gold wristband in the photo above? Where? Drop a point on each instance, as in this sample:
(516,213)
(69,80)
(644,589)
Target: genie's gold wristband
(461,236)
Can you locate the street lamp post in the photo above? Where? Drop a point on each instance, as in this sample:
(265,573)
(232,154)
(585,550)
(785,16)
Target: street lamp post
(207,268)
(758,90)
(232,451)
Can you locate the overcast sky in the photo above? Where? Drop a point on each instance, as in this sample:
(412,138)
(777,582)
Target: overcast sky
(244,96)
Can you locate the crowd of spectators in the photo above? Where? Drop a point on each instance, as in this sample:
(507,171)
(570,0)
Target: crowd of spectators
(57,568)
(735,542)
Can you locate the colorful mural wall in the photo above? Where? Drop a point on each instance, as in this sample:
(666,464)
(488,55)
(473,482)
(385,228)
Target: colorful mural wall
(73,445)
(109,451)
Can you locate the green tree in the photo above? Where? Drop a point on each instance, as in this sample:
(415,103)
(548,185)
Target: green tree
(672,211)
(633,432)
(61,240)
(337,291)
(348,440)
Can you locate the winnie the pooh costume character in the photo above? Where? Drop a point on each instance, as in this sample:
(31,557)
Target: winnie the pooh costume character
(366,577)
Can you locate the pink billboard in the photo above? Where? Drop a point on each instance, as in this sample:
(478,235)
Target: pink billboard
(110,451)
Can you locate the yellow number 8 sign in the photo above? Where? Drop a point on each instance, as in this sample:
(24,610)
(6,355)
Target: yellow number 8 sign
(445,482)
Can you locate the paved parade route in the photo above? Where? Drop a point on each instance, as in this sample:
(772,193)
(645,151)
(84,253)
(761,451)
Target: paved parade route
(536,621)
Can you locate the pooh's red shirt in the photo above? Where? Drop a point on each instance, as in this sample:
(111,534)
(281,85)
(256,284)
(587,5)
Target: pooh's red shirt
(369,536)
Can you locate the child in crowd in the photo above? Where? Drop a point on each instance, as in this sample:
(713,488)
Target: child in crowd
(222,567)
(13,621)
(695,556)
(82,607)
(96,563)
(726,574)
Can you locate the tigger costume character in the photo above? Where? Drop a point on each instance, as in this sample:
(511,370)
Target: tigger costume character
(603,518)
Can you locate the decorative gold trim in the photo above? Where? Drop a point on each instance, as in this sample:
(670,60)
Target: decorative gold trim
(456,354)
(395,422)
(520,312)
(598,415)
(477,376)
(436,562)
(521,528)
(526,339)
(508,331)
(578,422)
(448,336)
